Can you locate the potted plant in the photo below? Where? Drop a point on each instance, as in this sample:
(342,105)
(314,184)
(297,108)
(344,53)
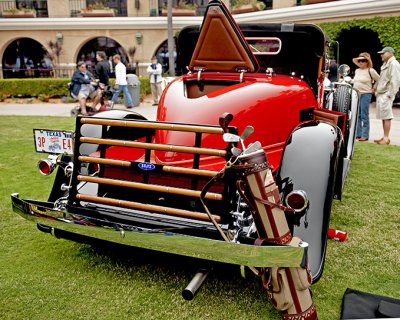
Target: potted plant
(19,13)
(244,6)
(181,9)
(97,10)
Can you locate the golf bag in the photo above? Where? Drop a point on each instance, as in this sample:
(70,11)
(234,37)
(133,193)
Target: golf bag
(287,288)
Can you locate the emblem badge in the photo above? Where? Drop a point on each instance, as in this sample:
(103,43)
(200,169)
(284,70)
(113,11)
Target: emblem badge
(146,166)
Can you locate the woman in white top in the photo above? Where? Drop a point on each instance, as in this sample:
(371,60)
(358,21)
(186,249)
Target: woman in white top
(364,80)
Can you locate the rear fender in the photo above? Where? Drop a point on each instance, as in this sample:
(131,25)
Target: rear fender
(309,163)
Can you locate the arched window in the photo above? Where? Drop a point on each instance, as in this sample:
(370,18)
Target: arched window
(162,55)
(26,58)
(109,46)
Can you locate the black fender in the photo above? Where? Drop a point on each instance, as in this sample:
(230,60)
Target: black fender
(309,163)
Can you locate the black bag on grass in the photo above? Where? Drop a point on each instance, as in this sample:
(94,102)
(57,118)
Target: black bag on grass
(362,305)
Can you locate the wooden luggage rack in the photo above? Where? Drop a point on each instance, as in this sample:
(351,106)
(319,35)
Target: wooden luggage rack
(164,189)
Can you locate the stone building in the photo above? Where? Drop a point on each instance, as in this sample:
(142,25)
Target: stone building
(30,40)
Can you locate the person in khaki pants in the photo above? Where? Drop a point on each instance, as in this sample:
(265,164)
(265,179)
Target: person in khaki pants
(154,71)
(386,89)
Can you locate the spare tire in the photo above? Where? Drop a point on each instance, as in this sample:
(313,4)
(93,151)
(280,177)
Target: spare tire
(342,98)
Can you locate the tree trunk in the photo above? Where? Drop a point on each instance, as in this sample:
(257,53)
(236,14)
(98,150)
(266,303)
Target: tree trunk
(171,41)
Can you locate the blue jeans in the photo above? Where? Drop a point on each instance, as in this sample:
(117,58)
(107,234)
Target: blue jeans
(124,88)
(363,116)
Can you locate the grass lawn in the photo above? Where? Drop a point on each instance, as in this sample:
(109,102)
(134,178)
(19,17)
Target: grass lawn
(42,277)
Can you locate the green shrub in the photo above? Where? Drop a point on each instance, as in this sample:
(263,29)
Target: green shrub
(35,87)
(49,87)
(386,28)
(44,98)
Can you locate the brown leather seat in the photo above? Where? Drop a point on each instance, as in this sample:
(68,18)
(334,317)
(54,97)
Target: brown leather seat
(221,46)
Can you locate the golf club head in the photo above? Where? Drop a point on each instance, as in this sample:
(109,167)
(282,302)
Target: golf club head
(246,132)
(252,147)
(236,151)
(230,137)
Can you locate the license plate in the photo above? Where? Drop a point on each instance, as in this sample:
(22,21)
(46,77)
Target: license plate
(54,141)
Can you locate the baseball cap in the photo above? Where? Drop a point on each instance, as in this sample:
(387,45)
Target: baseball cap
(386,49)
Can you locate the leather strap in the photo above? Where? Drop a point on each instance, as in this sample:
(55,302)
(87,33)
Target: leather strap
(207,186)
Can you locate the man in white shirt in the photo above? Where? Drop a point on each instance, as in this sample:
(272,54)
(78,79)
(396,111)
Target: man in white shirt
(154,71)
(120,81)
(388,85)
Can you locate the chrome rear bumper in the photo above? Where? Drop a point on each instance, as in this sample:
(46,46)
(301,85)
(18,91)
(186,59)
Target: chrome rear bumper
(196,247)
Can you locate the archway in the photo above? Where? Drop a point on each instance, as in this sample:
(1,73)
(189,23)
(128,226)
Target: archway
(162,55)
(25,58)
(356,40)
(108,45)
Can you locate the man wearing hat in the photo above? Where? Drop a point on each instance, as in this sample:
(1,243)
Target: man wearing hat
(388,86)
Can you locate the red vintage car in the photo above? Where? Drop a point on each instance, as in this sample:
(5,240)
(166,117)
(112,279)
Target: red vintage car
(241,165)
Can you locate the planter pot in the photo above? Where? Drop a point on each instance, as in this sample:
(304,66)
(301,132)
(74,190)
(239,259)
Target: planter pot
(246,8)
(98,13)
(19,14)
(179,12)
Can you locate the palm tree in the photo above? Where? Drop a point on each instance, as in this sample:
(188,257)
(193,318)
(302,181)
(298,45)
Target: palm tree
(171,41)
(54,55)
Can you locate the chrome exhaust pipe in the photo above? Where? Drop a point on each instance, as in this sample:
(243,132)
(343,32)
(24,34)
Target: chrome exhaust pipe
(194,285)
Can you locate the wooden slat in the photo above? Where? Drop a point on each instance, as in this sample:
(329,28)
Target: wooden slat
(189,171)
(155,146)
(169,169)
(121,163)
(150,187)
(276,145)
(148,207)
(152,125)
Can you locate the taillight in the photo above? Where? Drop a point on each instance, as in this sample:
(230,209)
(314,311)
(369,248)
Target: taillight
(46,166)
(297,200)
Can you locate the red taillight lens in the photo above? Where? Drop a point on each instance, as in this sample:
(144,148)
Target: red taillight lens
(46,167)
(297,200)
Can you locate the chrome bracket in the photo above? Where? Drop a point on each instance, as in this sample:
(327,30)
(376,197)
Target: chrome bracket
(242,71)
(199,71)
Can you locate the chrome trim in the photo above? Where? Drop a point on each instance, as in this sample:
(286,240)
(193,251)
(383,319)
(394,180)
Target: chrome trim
(300,193)
(202,248)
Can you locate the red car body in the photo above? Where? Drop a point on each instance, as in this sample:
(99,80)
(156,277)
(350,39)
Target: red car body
(271,105)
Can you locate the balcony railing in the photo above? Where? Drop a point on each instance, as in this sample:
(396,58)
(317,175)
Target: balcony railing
(119,7)
(39,72)
(40,6)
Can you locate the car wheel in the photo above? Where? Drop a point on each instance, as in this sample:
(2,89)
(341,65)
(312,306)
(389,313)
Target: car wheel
(342,102)
(342,99)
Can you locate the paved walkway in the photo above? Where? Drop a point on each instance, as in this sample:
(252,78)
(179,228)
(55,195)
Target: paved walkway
(149,111)
(376,130)
(64,109)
